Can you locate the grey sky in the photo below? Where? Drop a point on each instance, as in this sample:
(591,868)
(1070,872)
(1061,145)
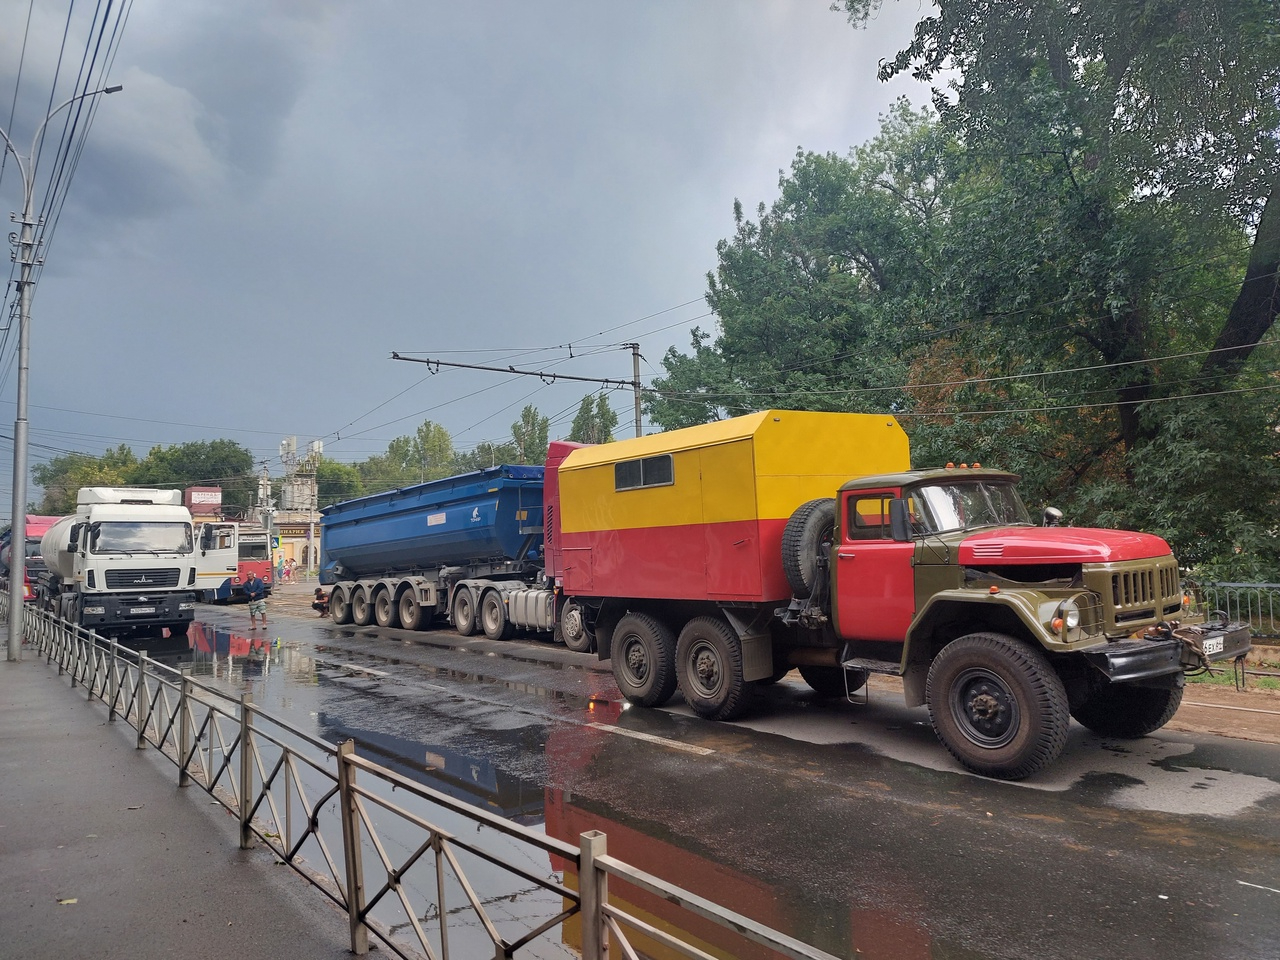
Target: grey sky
(286,192)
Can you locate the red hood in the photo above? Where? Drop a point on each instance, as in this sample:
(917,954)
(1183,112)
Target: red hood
(1060,545)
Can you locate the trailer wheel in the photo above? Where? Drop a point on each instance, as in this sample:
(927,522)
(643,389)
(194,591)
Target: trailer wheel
(1127,712)
(806,545)
(831,681)
(339,607)
(643,658)
(464,611)
(411,612)
(573,628)
(709,665)
(361,608)
(385,610)
(997,705)
(493,617)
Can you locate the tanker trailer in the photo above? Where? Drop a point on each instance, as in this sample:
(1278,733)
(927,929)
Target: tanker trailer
(456,548)
(123,564)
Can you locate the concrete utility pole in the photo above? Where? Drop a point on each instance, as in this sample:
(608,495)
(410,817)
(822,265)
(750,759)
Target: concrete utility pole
(27,260)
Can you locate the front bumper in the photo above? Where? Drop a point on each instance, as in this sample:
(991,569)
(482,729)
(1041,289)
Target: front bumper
(1170,648)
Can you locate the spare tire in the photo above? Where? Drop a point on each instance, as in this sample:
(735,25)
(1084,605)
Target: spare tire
(806,545)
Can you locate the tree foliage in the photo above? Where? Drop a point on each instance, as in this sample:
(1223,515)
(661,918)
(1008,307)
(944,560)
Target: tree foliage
(595,420)
(529,434)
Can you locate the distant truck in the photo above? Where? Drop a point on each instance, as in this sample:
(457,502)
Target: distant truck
(716,558)
(123,564)
(227,553)
(33,562)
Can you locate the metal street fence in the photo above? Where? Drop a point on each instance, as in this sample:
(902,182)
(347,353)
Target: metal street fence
(379,844)
(1257,604)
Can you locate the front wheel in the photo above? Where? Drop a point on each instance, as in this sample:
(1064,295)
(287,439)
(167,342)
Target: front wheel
(361,608)
(493,617)
(411,617)
(1127,712)
(385,610)
(833,681)
(643,659)
(997,705)
(339,607)
(709,666)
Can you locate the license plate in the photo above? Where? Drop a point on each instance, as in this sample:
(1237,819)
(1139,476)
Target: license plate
(153,610)
(1212,645)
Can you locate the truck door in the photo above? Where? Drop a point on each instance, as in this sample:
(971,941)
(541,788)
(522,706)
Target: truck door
(217,556)
(874,579)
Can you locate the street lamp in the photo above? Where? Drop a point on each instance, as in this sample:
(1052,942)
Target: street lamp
(28,261)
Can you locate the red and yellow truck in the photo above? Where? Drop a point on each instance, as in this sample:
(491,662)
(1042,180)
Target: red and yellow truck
(714,559)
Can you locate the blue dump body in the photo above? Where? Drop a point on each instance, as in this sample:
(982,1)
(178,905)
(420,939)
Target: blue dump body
(493,514)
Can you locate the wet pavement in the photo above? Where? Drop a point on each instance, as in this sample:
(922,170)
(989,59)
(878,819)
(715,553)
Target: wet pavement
(102,855)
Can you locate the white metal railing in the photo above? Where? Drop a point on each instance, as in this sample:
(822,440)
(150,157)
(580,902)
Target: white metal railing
(399,873)
(1257,604)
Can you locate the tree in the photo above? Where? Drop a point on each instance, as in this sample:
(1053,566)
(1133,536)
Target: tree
(222,463)
(595,420)
(336,482)
(62,477)
(486,455)
(1152,102)
(426,455)
(530,434)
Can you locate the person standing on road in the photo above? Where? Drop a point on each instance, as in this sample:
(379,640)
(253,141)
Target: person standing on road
(256,591)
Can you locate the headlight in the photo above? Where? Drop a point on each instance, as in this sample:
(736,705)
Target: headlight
(1066,617)
(186,606)
(98,610)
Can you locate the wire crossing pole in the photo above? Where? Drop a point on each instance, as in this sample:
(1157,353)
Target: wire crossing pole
(635,379)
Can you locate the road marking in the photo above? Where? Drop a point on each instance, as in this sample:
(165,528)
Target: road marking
(673,744)
(1258,886)
(1223,706)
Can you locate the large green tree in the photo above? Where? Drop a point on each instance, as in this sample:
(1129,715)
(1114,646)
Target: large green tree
(62,477)
(336,482)
(222,463)
(530,434)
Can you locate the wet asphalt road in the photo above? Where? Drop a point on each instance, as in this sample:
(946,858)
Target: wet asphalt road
(845,825)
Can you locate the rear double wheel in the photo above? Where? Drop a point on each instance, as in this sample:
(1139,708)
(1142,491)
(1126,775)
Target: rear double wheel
(643,659)
(361,607)
(493,617)
(709,668)
(997,705)
(411,613)
(385,610)
(339,607)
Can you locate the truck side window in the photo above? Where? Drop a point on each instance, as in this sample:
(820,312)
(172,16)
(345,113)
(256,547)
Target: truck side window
(649,472)
(869,518)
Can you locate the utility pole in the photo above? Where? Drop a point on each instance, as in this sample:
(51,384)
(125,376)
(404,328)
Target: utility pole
(27,260)
(635,379)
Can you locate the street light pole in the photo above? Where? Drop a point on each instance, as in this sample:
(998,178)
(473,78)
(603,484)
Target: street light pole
(27,261)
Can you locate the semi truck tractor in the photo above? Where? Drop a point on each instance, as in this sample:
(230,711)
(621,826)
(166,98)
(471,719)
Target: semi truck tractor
(715,559)
(32,562)
(123,564)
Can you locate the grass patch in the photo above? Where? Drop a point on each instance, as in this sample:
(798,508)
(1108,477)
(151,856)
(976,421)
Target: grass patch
(1226,678)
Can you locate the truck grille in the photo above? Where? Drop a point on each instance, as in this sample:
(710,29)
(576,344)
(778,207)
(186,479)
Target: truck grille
(142,579)
(1144,592)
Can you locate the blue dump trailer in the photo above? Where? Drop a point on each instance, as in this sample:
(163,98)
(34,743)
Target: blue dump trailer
(468,548)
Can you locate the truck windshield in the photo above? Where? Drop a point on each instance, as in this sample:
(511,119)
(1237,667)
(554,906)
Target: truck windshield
(967,506)
(142,537)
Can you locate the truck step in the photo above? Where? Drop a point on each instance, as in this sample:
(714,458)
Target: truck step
(872,666)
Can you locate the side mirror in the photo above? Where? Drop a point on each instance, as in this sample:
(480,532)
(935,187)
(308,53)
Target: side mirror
(899,521)
(1052,517)
(73,542)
